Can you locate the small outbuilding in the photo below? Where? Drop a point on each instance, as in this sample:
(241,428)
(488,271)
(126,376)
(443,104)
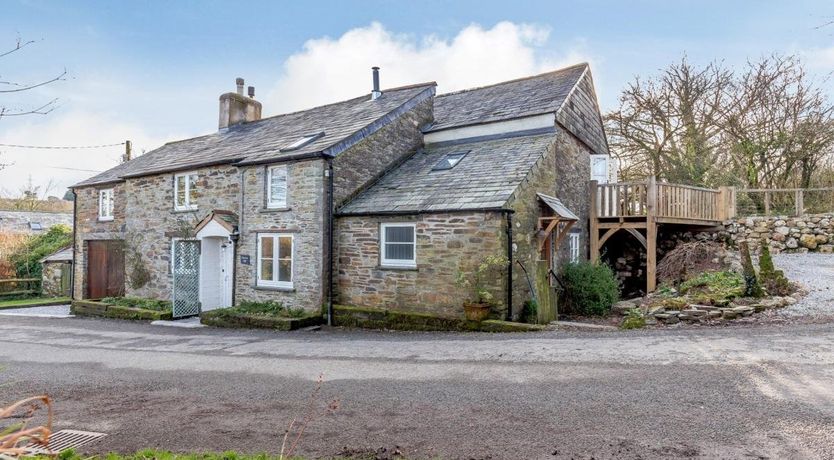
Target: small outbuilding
(56,278)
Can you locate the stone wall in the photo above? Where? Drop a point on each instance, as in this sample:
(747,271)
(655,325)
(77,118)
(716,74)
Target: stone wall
(785,234)
(366,161)
(18,221)
(51,279)
(562,172)
(447,243)
(303,218)
(88,227)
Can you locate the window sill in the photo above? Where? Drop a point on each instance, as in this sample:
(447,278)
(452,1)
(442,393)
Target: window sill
(270,210)
(273,288)
(407,268)
(105,219)
(185,210)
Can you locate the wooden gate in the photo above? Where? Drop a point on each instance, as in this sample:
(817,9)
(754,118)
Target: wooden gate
(105,269)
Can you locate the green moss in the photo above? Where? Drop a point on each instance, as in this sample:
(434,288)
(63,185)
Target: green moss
(378,318)
(138,302)
(714,287)
(634,320)
(270,309)
(752,286)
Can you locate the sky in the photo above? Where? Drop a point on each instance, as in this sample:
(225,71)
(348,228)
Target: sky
(152,71)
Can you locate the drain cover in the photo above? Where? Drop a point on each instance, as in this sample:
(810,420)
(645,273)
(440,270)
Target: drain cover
(66,439)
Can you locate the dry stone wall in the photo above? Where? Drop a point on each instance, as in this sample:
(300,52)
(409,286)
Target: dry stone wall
(814,233)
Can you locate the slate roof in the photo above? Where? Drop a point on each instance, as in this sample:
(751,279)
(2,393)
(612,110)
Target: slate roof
(523,97)
(61,255)
(261,141)
(558,207)
(484,179)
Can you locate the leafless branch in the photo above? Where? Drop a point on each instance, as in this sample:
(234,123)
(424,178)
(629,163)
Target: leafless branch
(59,77)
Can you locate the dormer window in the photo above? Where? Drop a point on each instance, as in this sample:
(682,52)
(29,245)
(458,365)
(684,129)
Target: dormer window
(449,161)
(302,142)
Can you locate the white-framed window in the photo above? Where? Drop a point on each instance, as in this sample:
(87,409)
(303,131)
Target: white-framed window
(398,245)
(599,168)
(105,204)
(185,191)
(275,260)
(574,246)
(276,187)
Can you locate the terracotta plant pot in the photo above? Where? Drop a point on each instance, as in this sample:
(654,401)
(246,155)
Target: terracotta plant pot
(476,311)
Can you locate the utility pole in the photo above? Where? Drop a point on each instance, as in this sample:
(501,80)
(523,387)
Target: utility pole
(128,154)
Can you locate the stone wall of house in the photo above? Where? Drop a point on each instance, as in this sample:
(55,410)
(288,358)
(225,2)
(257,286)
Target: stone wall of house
(366,161)
(785,234)
(562,172)
(447,244)
(89,227)
(19,221)
(51,279)
(303,218)
(152,223)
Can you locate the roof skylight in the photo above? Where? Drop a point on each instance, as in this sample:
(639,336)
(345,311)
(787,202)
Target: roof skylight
(449,161)
(302,142)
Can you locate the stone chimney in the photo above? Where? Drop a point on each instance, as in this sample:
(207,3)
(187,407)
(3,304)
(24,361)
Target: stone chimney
(235,108)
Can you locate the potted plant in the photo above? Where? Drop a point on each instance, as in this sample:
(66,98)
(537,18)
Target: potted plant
(478,308)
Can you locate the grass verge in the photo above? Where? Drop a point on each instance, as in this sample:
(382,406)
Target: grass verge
(33,302)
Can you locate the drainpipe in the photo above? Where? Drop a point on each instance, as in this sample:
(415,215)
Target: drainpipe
(509,265)
(330,242)
(74,245)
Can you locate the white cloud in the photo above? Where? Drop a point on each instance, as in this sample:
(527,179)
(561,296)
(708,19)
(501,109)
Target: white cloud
(73,128)
(329,70)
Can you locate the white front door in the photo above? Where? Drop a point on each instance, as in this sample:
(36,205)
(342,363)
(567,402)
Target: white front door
(216,259)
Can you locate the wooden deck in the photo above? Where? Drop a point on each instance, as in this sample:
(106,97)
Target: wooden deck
(640,207)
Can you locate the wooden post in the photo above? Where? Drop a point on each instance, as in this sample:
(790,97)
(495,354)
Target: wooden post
(651,235)
(800,202)
(128,152)
(593,224)
(767,203)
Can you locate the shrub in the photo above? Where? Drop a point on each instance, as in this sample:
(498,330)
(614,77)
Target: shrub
(774,281)
(590,288)
(634,320)
(26,259)
(269,308)
(530,312)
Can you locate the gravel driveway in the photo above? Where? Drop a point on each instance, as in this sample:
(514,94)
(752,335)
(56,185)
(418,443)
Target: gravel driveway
(815,272)
(765,392)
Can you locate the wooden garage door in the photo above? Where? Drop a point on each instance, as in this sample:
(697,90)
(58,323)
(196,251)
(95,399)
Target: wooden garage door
(105,269)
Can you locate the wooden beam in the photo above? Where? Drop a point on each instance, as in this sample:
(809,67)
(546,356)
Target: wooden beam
(554,221)
(593,224)
(622,225)
(639,237)
(606,235)
(651,235)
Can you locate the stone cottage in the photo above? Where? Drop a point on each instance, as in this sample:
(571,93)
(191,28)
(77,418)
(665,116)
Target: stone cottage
(379,201)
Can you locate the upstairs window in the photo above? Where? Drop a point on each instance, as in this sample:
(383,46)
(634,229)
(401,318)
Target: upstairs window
(105,204)
(185,191)
(276,187)
(304,140)
(275,260)
(449,161)
(398,245)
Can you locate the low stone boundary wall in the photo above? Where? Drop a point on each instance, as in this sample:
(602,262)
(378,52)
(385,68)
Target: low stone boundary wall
(785,234)
(219,318)
(103,310)
(378,318)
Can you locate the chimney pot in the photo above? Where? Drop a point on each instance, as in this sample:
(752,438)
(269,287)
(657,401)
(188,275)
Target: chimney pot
(375,93)
(239,82)
(251,92)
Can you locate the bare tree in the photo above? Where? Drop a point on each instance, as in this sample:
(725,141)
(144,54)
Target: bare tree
(32,197)
(766,126)
(9,88)
(666,126)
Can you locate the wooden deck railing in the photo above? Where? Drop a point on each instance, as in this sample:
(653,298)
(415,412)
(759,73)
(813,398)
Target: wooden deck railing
(662,200)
